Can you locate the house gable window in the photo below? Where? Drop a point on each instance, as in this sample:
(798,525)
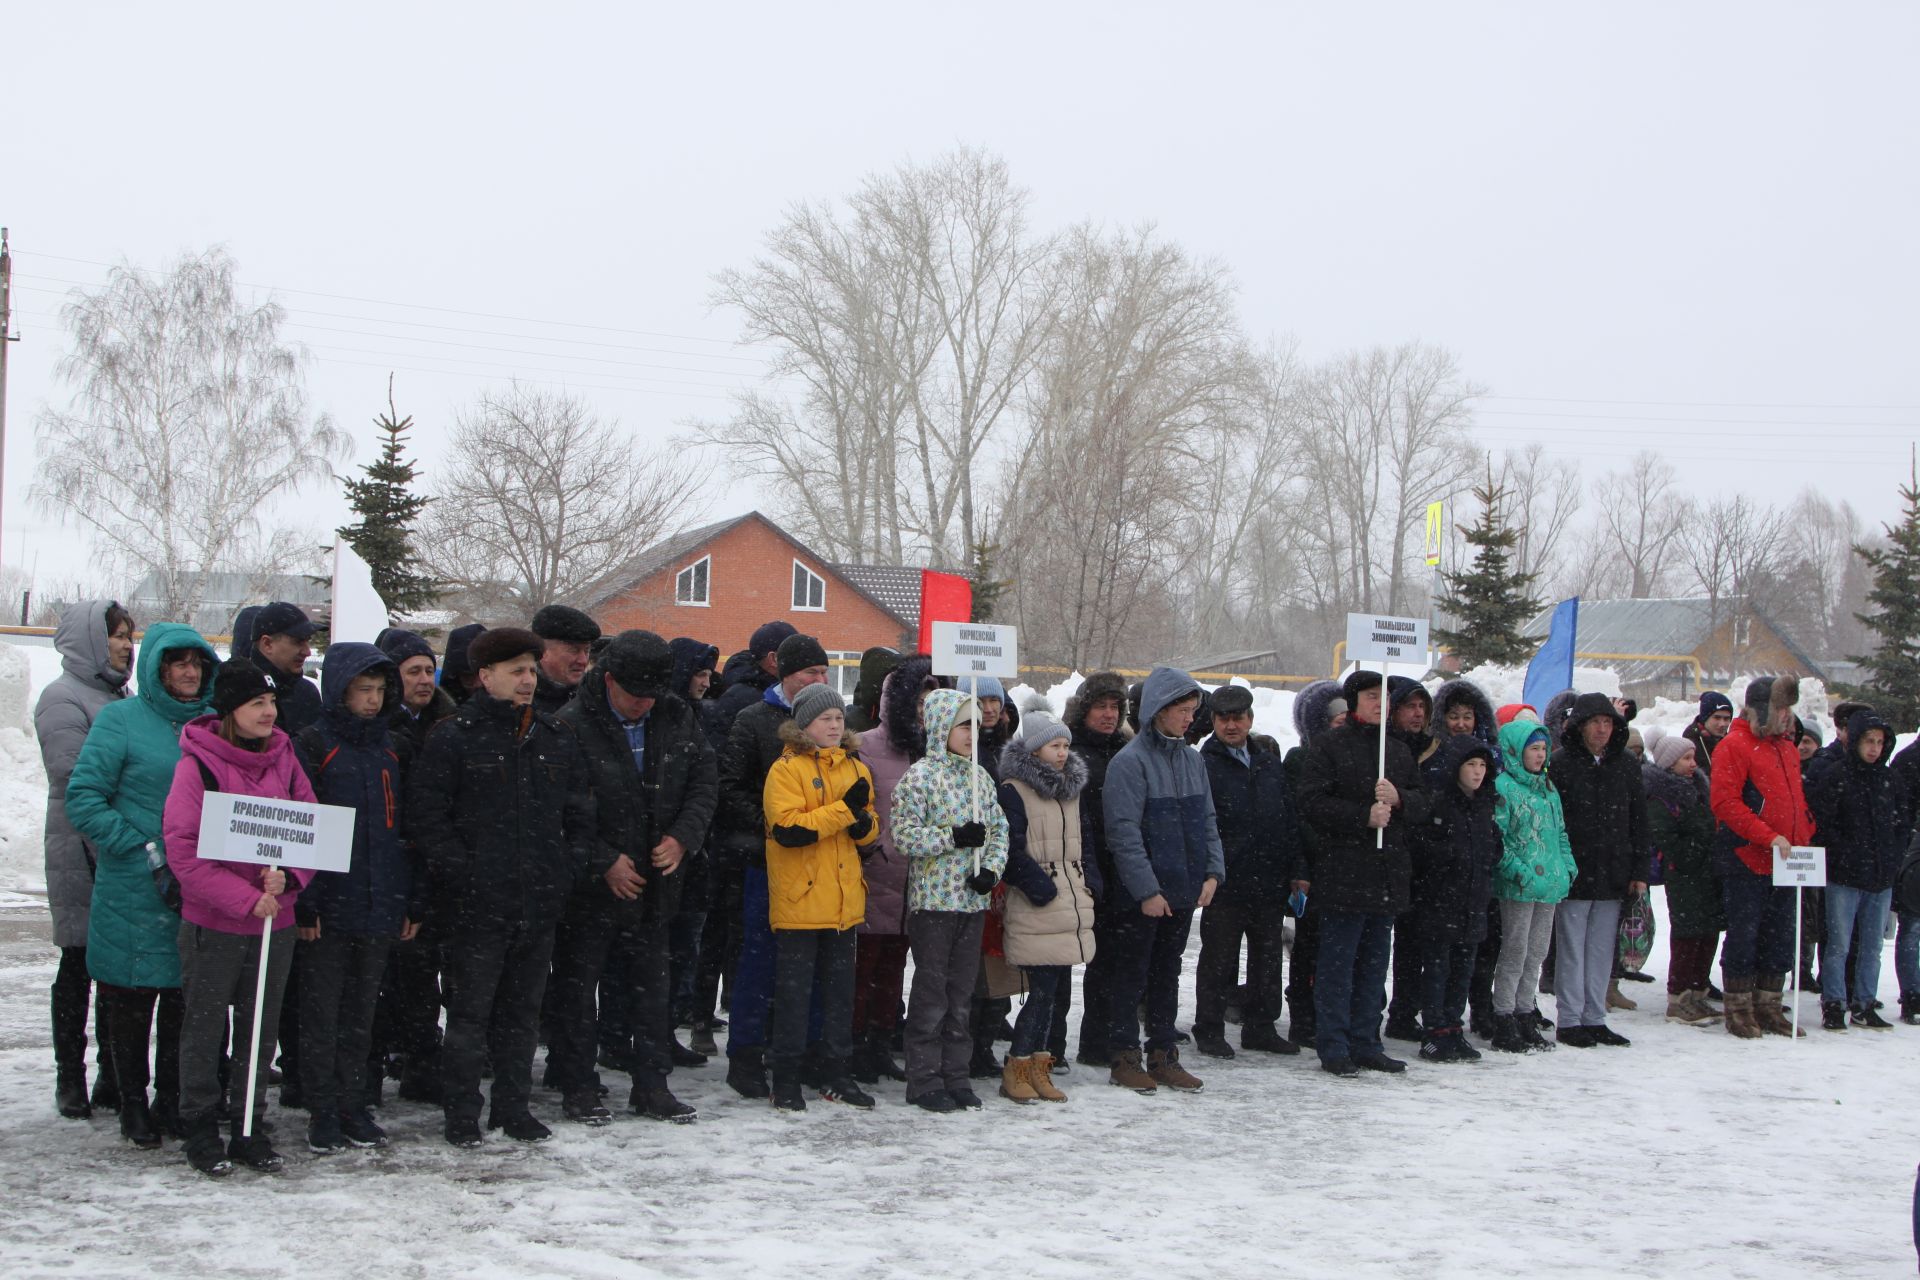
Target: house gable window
(809,589)
(692,585)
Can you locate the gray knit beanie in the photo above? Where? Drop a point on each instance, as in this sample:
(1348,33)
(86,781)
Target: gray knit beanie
(814,701)
(1038,727)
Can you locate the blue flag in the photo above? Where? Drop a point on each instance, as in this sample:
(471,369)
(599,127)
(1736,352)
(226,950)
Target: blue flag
(1551,670)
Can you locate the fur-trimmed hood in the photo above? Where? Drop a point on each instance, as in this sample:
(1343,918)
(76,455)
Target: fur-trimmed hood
(1101,684)
(1065,783)
(900,694)
(795,739)
(1310,709)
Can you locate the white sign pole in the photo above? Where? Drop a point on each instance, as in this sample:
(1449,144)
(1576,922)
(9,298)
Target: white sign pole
(1380,833)
(259,1004)
(1799,901)
(973,747)
(1803,866)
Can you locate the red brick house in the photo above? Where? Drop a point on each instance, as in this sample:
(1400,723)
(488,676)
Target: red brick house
(719,582)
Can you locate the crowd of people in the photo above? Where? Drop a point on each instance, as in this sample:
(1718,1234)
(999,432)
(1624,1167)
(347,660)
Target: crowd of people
(594,842)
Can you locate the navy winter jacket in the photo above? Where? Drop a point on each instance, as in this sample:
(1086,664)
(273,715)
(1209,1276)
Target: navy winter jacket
(351,762)
(1857,815)
(1158,807)
(1259,834)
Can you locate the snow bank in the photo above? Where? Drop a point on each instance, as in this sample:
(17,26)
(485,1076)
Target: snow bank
(23,783)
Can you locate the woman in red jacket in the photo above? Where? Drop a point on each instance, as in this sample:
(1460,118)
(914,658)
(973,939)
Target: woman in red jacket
(1762,812)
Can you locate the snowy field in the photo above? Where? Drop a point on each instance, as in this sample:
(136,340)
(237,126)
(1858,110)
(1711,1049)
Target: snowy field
(1689,1154)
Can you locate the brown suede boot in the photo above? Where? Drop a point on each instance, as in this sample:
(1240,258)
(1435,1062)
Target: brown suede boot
(1164,1065)
(1617,1001)
(1040,1078)
(1127,1074)
(1013,1081)
(1767,1013)
(1739,1007)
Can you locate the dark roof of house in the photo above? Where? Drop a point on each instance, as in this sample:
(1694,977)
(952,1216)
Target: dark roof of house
(892,587)
(1671,626)
(668,554)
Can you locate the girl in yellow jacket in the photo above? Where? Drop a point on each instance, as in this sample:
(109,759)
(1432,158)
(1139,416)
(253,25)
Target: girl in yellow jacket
(819,806)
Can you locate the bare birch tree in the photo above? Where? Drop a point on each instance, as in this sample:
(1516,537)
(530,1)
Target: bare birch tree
(543,502)
(188,416)
(1642,519)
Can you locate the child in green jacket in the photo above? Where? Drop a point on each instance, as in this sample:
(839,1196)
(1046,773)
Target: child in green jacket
(1535,872)
(954,859)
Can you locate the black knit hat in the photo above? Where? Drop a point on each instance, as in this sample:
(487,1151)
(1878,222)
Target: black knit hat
(797,653)
(458,640)
(1360,679)
(401,645)
(502,644)
(640,663)
(236,683)
(767,638)
(564,623)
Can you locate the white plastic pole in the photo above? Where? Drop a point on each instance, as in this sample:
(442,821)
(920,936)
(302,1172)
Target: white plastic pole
(973,754)
(259,1005)
(1799,901)
(1380,833)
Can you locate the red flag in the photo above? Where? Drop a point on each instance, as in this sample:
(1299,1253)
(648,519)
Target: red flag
(944,597)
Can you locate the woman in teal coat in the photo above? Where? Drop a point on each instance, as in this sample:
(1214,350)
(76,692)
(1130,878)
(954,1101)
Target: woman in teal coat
(115,796)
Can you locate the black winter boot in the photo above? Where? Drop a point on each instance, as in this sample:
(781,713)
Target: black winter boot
(256,1153)
(136,1123)
(1261,1037)
(205,1151)
(747,1073)
(1404,1026)
(1506,1036)
(106,1093)
(1531,1025)
(1212,1041)
(984,1065)
(70,1093)
(1833,1015)
(1910,1009)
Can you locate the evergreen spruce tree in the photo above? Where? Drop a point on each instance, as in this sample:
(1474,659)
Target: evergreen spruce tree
(1489,599)
(1893,684)
(986,589)
(387,506)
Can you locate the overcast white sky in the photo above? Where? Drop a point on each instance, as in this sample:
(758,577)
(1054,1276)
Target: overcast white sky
(1681,227)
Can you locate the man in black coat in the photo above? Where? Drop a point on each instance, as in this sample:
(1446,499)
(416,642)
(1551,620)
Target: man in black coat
(655,790)
(568,635)
(280,646)
(1605,803)
(1410,720)
(1253,809)
(501,808)
(753,744)
(1318,707)
(1096,717)
(1361,878)
(423,703)
(750,673)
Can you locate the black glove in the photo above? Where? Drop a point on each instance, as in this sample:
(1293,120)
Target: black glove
(970,835)
(982,881)
(862,823)
(859,795)
(794,837)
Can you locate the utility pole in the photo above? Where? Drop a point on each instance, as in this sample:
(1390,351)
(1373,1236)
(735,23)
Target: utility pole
(7,337)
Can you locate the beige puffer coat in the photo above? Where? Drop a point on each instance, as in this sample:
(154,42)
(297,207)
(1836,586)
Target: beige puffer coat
(1049,901)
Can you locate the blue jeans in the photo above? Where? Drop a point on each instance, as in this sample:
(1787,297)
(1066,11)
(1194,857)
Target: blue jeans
(1853,915)
(1350,983)
(1146,970)
(1906,955)
(1031,1028)
(1759,941)
(753,978)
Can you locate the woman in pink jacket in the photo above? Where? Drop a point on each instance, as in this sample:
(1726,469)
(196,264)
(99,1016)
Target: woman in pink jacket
(222,907)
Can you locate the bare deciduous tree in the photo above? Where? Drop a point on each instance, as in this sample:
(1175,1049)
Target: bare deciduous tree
(543,503)
(1543,499)
(188,416)
(1642,518)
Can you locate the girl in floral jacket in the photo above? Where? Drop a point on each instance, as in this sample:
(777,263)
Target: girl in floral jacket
(953,861)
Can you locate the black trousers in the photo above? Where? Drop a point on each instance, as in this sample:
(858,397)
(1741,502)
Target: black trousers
(407,1018)
(1407,968)
(495,978)
(721,934)
(1096,988)
(1306,961)
(1146,971)
(1221,929)
(129,1017)
(72,989)
(1486,956)
(597,952)
(339,986)
(806,963)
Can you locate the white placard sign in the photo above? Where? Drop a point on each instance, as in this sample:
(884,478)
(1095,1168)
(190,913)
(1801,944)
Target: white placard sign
(975,649)
(1372,638)
(276,833)
(1804,867)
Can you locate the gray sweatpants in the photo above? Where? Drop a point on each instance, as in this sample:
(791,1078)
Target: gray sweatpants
(1586,935)
(946,958)
(218,971)
(1526,931)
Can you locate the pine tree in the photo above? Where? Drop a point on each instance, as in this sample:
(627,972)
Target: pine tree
(388,507)
(986,589)
(1490,599)
(1893,686)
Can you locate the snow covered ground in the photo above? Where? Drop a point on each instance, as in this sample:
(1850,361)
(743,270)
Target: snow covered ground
(1688,1154)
